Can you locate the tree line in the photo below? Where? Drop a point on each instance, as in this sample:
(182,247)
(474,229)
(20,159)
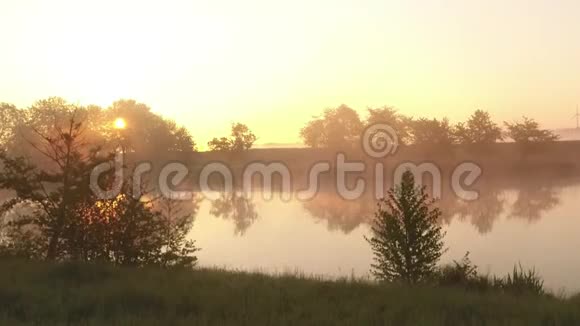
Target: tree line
(145,132)
(341,128)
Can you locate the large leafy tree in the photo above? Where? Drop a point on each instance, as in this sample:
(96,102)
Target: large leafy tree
(407,240)
(313,134)
(337,128)
(389,115)
(528,131)
(146,132)
(432,132)
(240,139)
(479,130)
(55,214)
(45,119)
(10,118)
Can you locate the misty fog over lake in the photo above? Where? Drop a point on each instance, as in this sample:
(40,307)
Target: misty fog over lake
(527,221)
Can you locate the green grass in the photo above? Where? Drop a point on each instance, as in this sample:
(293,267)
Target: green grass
(35,293)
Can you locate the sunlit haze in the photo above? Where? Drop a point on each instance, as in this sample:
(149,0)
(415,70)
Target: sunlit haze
(272,65)
(120,123)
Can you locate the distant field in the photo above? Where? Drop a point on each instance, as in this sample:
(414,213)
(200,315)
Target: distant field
(76,294)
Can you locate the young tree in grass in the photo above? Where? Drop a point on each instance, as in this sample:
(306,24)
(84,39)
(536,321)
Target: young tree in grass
(407,240)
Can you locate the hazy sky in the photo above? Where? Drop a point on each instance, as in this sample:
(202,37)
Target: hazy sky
(275,64)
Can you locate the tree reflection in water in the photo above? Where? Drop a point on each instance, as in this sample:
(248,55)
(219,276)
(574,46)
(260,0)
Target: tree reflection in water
(483,212)
(237,207)
(341,214)
(533,201)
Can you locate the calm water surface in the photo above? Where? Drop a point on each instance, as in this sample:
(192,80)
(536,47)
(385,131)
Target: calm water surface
(536,224)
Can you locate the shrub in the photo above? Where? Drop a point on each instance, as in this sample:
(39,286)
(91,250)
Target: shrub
(458,273)
(463,274)
(522,281)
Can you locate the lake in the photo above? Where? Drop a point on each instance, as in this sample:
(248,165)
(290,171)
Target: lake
(518,220)
(534,221)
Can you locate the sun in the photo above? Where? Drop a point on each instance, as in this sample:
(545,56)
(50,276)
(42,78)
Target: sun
(120,123)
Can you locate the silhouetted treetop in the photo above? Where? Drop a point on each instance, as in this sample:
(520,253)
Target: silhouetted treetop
(389,116)
(342,127)
(528,131)
(432,132)
(240,139)
(479,129)
(10,118)
(337,128)
(146,131)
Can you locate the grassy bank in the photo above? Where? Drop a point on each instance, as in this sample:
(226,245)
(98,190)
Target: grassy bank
(61,294)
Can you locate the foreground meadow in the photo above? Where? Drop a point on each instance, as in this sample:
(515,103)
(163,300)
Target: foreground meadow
(38,293)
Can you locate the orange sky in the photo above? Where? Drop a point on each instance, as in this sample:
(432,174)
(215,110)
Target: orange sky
(272,65)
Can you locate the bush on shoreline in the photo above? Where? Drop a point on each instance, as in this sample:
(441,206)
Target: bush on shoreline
(464,274)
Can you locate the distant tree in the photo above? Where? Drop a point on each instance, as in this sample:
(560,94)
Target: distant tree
(432,132)
(337,128)
(313,134)
(10,118)
(40,121)
(388,115)
(43,116)
(407,240)
(220,144)
(241,139)
(479,129)
(461,133)
(528,131)
(146,132)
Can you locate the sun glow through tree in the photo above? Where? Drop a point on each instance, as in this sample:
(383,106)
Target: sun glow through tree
(120,123)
